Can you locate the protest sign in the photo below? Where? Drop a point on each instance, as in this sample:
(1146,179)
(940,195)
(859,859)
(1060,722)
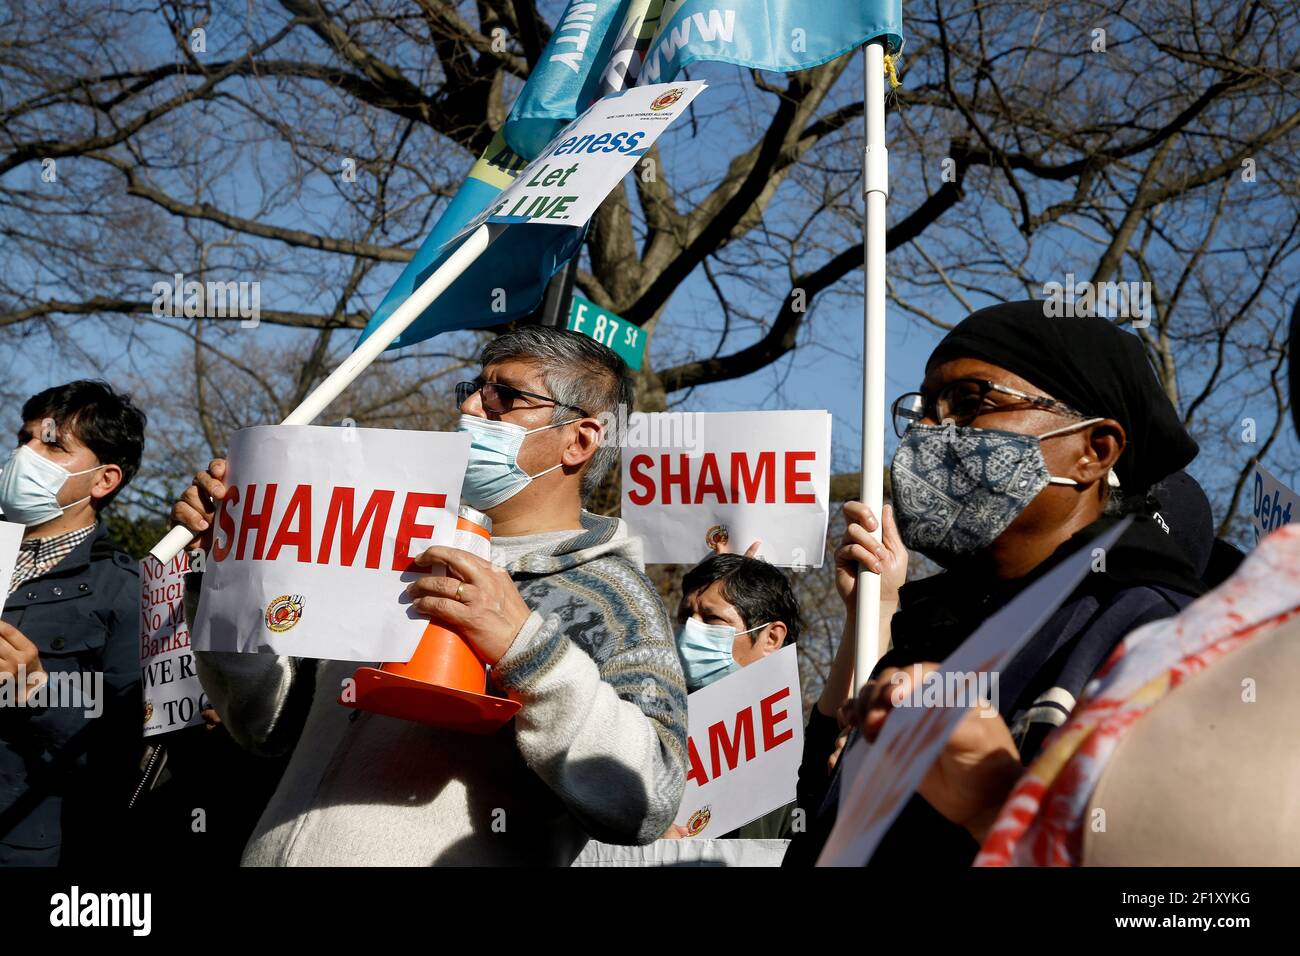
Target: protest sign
(587,159)
(311,548)
(877,780)
(1273,504)
(690,477)
(11,536)
(744,744)
(173,697)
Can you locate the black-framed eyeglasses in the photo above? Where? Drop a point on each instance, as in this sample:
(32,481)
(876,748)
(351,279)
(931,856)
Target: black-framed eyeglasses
(499,398)
(962,401)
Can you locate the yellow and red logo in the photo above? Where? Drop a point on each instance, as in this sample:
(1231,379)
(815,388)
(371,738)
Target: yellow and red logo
(665,100)
(148,711)
(698,820)
(716,537)
(284,612)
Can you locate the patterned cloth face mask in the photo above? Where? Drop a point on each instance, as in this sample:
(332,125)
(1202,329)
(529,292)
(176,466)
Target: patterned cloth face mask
(956,488)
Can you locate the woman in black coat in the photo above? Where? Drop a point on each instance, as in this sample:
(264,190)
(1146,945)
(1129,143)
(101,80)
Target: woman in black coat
(1029,437)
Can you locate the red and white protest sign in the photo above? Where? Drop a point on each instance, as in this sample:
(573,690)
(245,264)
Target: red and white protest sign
(689,477)
(877,780)
(744,745)
(173,697)
(312,547)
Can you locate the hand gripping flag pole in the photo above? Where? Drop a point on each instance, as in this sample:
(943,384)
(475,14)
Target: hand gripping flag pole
(875,180)
(474,246)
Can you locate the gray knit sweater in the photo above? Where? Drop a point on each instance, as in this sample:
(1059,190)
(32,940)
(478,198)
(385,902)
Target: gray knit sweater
(597,750)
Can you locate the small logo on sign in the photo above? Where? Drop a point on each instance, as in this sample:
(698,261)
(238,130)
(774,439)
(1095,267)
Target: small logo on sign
(148,711)
(717,536)
(665,100)
(698,820)
(284,612)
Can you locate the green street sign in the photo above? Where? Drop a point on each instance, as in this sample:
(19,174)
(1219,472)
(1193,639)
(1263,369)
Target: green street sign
(622,336)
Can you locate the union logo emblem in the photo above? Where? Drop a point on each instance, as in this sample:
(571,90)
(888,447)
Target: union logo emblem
(148,711)
(284,612)
(698,820)
(716,536)
(665,100)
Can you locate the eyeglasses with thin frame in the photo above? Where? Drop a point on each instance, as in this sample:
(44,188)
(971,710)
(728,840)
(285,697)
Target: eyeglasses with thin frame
(499,398)
(962,401)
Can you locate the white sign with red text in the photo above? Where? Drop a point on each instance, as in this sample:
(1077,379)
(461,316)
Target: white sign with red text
(312,547)
(691,477)
(744,746)
(173,697)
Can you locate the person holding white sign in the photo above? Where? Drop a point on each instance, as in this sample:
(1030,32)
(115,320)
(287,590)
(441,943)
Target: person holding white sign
(1206,696)
(1030,437)
(736,610)
(563,614)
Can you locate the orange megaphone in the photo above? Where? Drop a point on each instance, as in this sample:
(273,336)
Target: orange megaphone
(444,684)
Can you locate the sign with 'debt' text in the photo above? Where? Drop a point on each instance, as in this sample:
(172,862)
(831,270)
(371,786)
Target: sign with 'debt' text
(690,478)
(311,550)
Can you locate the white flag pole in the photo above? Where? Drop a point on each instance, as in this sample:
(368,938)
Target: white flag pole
(875,179)
(365,353)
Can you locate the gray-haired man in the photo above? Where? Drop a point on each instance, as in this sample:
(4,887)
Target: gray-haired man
(564,613)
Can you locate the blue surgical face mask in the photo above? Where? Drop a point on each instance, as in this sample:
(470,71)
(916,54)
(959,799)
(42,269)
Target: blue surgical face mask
(705,651)
(494,475)
(30,486)
(956,488)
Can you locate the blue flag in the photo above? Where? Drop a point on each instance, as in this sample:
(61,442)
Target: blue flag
(777,35)
(568,77)
(509,280)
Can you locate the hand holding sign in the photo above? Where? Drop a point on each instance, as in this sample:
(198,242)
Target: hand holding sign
(976,768)
(19,659)
(877,780)
(474,598)
(886,557)
(721,544)
(198,505)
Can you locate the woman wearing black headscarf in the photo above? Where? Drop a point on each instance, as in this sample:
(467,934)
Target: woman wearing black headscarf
(1030,437)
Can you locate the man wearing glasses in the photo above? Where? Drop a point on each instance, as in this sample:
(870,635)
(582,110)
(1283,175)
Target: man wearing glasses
(564,615)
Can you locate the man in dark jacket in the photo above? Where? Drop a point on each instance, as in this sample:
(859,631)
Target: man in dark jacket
(70,734)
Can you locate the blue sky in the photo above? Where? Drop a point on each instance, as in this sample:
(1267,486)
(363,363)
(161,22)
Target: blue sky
(824,373)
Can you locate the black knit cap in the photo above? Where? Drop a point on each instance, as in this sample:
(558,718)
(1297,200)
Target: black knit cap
(1090,364)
